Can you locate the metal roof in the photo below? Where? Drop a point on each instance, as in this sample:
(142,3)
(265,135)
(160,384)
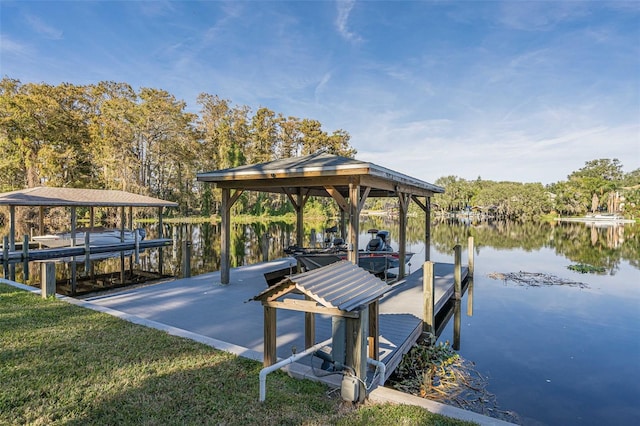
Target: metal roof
(45,196)
(341,285)
(316,171)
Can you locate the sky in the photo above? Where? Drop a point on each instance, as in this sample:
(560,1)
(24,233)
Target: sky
(525,91)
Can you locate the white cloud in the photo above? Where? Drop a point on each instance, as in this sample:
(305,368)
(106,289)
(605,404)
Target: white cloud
(42,28)
(342,20)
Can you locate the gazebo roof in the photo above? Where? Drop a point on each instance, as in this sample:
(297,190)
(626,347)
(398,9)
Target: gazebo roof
(341,285)
(316,172)
(54,197)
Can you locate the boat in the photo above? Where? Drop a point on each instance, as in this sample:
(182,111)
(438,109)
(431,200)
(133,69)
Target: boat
(600,219)
(377,258)
(97,237)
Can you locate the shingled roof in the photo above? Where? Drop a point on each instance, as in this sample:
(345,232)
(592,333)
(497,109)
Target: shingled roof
(54,197)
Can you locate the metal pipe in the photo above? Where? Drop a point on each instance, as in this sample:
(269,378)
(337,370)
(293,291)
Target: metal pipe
(293,358)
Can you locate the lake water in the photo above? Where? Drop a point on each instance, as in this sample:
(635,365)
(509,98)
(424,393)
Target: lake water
(553,354)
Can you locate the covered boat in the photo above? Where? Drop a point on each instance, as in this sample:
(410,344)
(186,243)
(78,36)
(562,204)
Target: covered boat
(97,237)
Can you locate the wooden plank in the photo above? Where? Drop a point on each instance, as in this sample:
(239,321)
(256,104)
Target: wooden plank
(304,306)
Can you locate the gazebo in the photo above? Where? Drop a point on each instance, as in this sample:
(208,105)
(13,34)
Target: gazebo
(348,181)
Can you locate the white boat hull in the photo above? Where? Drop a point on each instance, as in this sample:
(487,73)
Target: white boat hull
(96,238)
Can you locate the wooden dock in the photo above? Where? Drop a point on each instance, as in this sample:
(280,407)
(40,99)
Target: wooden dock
(202,305)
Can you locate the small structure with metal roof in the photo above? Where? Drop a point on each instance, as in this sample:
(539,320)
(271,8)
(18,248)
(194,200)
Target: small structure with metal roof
(348,181)
(340,289)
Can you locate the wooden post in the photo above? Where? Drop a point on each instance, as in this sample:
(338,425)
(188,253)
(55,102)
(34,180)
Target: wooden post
(12,228)
(25,258)
(374,330)
(41,220)
(160,235)
(403,201)
(5,256)
(300,219)
(357,349)
(427,226)
(74,225)
(186,259)
(470,254)
(123,224)
(87,254)
(12,240)
(270,356)
(354,222)
(225,236)
(309,328)
(457,272)
(48,279)
(428,317)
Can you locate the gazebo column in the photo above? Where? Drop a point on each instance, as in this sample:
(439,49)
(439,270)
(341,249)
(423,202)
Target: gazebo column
(225,238)
(160,236)
(404,200)
(12,228)
(354,222)
(300,219)
(427,229)
(426,208)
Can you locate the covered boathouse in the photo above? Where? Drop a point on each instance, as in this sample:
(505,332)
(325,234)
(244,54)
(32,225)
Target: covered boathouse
(348,181)
(74,198)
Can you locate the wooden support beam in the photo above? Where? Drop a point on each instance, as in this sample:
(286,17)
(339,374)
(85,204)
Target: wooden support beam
(337,196)
(308,306)
(427,229)
(270,356)
(457,272)
(309,328)
(354,222)
(225,237)
(428,292)
(74,225)
(356,336)
(47,279)
(160,235)
(374,330)
(12,228)
(404,200)
(363,198)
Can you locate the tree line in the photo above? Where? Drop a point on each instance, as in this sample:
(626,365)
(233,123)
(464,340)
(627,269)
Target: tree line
(599,186)
(110,136)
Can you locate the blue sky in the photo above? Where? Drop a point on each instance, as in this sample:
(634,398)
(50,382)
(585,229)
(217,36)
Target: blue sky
(521,90)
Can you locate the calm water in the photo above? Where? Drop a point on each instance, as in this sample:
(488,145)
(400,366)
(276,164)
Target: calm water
(555,355)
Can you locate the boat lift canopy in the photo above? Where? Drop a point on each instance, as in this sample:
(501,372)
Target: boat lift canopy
(348,181)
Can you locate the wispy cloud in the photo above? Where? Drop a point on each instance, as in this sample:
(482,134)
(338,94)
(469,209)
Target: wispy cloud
(342,20)
(9,46)
(42,28)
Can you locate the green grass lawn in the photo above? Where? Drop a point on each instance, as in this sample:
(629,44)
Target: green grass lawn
(63,364)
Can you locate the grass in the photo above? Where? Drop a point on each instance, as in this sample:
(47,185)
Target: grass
(63,364)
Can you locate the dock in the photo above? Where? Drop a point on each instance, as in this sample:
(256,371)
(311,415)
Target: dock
(224,312)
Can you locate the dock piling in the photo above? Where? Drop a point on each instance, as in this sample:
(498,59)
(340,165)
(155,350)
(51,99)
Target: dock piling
(48,279)
(457,272)
(428,291)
